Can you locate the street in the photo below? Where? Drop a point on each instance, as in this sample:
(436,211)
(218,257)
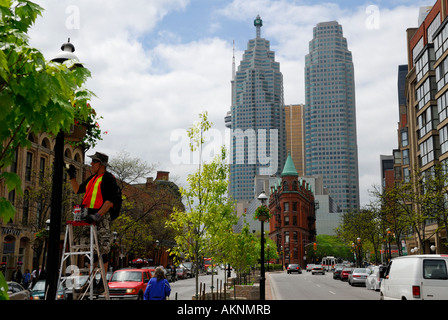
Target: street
(306,286)
(285,286)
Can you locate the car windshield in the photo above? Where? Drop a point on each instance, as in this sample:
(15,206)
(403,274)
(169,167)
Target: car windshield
(127,276)
(360,270)
(39,286)
(293,266)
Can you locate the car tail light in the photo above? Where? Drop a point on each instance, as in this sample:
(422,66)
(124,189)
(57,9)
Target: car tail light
(416,291)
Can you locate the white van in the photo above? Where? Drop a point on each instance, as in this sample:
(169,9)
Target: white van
(416,277)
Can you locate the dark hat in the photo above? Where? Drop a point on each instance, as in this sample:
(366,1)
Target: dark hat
(101,157)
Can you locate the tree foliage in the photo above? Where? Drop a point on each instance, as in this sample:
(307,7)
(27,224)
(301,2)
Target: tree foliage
(204,228)
(35,95)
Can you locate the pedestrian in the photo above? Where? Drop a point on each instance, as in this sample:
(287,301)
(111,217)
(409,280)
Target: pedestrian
(17,275)
(158,287)
(33,277)
(26,278)
(99,191)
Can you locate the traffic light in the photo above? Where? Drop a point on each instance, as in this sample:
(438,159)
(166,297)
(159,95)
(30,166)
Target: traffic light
(315,246)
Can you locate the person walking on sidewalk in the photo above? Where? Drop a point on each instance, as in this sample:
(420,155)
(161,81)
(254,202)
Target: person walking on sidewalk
(158,287)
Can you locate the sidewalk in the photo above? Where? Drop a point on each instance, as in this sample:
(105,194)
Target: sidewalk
(269,294)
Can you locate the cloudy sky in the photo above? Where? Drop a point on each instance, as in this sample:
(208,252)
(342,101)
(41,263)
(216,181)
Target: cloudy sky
(157,64)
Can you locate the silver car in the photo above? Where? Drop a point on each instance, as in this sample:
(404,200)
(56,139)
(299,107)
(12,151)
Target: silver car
(358,276)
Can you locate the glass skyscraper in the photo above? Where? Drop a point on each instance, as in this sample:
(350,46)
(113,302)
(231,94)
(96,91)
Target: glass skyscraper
(330,115)
(257,117)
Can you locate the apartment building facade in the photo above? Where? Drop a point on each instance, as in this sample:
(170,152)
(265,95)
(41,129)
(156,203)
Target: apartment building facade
(423,131)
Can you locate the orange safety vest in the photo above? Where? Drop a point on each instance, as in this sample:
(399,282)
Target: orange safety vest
(93,198)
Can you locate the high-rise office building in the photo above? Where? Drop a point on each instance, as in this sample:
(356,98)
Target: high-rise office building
(294,136)
(257,117)
(330,115)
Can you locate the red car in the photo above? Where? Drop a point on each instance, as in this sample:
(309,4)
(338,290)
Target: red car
(129,283)
(345,273)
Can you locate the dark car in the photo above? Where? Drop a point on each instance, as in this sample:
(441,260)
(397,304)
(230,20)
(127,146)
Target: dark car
(293,268)
(337,272)
(38,291)
(345,273)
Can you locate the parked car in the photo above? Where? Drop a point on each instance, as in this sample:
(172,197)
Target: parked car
(129,283)
(17,292)
(189,268)
(37,292)
(75,283)
(358,276)
(337,272)
(373,281)
(211,269)
(416,277)
(345,273)
(181,273)
(309,267)
(318,268)
(293,268)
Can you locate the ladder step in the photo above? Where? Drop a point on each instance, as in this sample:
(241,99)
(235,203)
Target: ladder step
(85,249)
(81,246)
(76,253)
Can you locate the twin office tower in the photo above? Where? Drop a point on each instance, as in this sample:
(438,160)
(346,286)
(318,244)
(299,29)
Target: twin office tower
(257,117)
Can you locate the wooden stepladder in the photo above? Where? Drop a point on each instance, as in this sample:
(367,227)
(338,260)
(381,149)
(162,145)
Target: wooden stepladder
(68,275)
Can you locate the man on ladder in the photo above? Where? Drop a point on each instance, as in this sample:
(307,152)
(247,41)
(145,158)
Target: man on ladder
(99,191)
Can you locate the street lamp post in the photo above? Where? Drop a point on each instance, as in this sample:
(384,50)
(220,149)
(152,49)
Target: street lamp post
(262,197)
(56,194)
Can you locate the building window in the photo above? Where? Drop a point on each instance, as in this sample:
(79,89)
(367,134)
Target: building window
(294,207)
(427,121)
(443,133)
(426,92)
(287,220)
(428,150)
(406,156)
(442,106)
(29,166)
(404,138)
(406,174)
(42,169)
(15,161)
(286,206)
(26,207)
(424,63)
(441,43)
(442,74)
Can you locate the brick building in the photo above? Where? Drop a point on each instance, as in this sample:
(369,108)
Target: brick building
(293,225)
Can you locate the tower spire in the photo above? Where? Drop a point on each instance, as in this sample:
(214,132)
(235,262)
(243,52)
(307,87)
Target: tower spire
(258,23)
(233,62)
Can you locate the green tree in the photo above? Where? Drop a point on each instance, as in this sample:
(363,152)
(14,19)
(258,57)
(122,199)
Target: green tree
(35,95)
(203,229)
(245,251)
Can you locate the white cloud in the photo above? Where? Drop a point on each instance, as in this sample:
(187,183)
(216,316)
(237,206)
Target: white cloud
(148,83)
